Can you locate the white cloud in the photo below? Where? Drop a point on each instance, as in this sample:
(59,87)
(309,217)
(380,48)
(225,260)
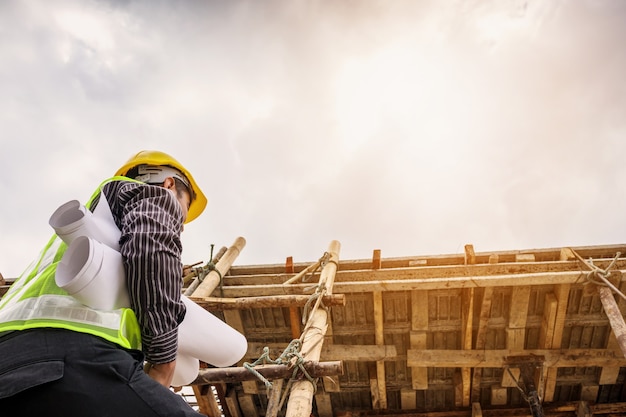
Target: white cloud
(410,127)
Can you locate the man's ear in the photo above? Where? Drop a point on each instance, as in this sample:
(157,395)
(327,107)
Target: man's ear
(169,183)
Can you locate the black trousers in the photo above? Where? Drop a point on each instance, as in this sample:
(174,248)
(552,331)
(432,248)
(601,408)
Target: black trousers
(55,372)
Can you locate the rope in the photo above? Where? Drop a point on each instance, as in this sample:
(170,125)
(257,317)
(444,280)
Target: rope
(290,356)
(202,271)
(598,275)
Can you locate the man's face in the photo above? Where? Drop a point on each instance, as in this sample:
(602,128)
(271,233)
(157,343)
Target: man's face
(181,194)
(184,200)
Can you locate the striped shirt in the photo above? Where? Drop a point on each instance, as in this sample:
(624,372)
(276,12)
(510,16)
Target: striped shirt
(151,220)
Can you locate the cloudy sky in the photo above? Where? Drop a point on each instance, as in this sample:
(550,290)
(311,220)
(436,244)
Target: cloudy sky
(413,127)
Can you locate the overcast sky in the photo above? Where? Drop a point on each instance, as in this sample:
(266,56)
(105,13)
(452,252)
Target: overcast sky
(413,127)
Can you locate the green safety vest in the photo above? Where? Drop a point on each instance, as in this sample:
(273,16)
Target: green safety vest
(35,301)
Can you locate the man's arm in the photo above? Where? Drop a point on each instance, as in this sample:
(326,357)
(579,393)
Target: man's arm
(151,222)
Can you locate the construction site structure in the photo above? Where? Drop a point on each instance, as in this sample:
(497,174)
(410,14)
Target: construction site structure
(536,332)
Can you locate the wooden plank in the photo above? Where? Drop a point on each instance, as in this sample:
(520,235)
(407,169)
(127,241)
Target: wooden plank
(323,405)
(419,328)
(467,317)
(518,315)
(481,334)
(248,409)
(470,255)
(274,396)
(374,391)
(448,358)
(546,332)
(457,380)
(408,400)
(206,400)
(608,375)
(250,387)
(237,374)
(477,410)
(232,404)
(379,337)
(614,315)
(499,395)
(546,391)
(376,260)
(589,391)
(389,280)
(246,303)
(583,409)
(508,380)
(331,352)
(597,251)
(524,257)
(402,270)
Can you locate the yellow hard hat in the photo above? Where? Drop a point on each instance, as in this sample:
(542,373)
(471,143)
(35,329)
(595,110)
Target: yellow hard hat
(161,158)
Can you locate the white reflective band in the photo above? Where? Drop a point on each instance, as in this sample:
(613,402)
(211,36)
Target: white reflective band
(60,307)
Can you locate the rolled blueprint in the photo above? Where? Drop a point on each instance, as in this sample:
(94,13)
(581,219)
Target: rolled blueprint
(72,220)
(93,273)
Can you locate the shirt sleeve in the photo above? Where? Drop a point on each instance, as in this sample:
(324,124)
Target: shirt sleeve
(151,221)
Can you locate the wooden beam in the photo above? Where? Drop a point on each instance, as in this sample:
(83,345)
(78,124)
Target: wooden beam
(323,405)
(274,397)
(467,320)
(272,301)
(419,328)
(376,259)
(399,271)
(206,400)
(561,293)
(379,337)
(446,358)
(477,410)
(270,372)
(332,352)
(232,404)
(389,280)
(248,409)
(470,255)
(583,409)
(615,316)
(408,400)
(481,334)
(546,332)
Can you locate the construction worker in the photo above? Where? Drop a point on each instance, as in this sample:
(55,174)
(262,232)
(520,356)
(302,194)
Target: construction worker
(59,357)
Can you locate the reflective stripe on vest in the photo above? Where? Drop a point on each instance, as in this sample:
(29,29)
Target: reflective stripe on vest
(35,301)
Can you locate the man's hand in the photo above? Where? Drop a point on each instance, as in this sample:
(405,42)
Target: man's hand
(162,372)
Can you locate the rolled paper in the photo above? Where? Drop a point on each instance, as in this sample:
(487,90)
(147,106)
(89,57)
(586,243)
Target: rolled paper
(72,220)
(186,370)
(204,336)
(93,273)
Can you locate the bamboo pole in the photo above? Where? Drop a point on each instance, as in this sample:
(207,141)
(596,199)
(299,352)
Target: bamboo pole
(300,401)
(212,280)
(192,287)
(244,303)
(270,372)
